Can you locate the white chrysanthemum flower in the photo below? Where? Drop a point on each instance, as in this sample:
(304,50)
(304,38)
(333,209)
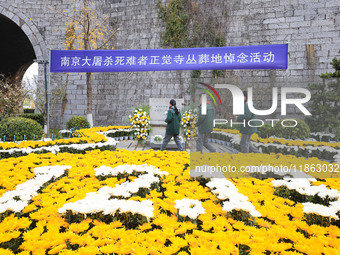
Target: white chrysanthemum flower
(189,207)
(320,210)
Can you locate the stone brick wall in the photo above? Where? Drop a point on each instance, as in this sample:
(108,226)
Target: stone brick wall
(311,27)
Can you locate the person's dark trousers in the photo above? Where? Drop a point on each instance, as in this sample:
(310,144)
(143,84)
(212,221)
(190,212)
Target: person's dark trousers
(167,139)
(202,140)
(246,144)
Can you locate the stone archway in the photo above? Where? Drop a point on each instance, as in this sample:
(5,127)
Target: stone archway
(21,43)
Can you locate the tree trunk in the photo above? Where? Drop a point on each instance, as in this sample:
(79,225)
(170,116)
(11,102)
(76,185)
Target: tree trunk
(89,98)
(88,75)
(181,84)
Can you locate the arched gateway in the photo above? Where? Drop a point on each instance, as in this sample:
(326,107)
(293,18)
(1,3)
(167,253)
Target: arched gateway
(21,43)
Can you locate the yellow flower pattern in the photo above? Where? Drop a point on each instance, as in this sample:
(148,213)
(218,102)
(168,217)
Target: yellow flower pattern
(40,229)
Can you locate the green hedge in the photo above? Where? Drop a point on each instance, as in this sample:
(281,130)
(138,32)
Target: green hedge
(38,117)
(29,110)
(20,127)
(7,154)
(337,133)
(226,126)
(120,133)
(301,131)
(266,131)
(77,121)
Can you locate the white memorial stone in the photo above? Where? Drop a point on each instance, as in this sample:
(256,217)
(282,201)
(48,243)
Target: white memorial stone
(158,113)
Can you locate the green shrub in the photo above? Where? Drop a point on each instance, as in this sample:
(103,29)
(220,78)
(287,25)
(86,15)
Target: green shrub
(77,121)
(301,130)
(337,134)
(226,126)
(19,127)
(325,101)
(28,110)
(266,131)
(38,117)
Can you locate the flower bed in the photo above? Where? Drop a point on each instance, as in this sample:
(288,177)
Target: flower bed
(318,200)
(93,138)
(322,150)
(72,148)
(90,135)
(283,141)
(120,134)
(323,137)
(145,202)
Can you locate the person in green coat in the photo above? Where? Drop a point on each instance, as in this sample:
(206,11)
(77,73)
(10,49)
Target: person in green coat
(247,130)
(205,125)
(173,121)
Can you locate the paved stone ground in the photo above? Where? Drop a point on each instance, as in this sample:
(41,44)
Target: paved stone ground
(131,145)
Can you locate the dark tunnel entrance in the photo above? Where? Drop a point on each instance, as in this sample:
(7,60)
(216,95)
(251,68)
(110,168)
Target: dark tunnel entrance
(16,51)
